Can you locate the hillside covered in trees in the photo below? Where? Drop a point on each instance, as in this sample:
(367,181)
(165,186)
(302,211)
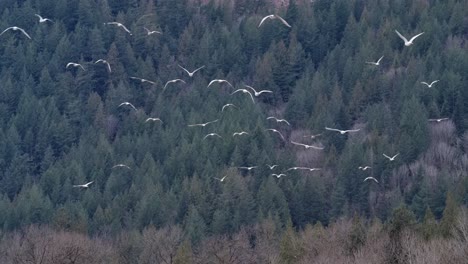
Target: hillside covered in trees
(63,126)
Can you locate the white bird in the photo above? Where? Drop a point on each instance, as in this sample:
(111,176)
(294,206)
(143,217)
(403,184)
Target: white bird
(86,185)
(227,105)
(275,131)
(219,81)
(438,119)
(153,119)
(105,62)
(191,73)
(16,28)
(129,104)
(244,91)
(278,175)
(306,146)
(149,32)
(313,136)
(430,85)
(391,158)
(342,132)
(364,168)
(371,178)
(278,120)
(272,166)
(377,63)
(121,166)
(410,42)
(258,93)
(173,81)
(222,179)
(239,133)
(211,135)
(42,20)
(203,124)
(119,25)
(75,65)
(303,168)
(142,80)
(248,168)
(274,17)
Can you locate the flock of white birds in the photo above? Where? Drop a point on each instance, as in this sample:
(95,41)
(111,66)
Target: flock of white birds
(248,90)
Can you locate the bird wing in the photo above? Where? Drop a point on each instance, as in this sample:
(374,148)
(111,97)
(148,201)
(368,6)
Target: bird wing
(238,90)
(286,121)
(265,18)
(251,96)
(426,84)
(125,28)
(108,66)
(413,38)
(250,87)
(24,32)
(282,20)
(81,66)
(401,36)
(184,69)
(385,155)
(214,121)
(38,16)
(434,82)
(278,133)
(395,155)
(198,69)
(6,30)
(352,130)
(297,143)
(380,59)
(332,129)
(147,30)
(314,147)
(213,81)
(69,64)
(264,91)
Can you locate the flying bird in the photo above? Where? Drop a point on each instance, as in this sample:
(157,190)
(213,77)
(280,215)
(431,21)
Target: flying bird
(142,80)
(227,105)
(391,158)
(306,146)
(149,32)
(430,85)
(191,73)
(278,175)
(239,133)
(278,120)
(211,135)
(248,168)
(86,185)
(275,131)
(259,92)
(272,166)
(219,81)
(313,136)
(119,25)
(105,62)
(371,178)
(377,63)
(73,64)
(438,119)
(342,132)
(153,119)
(364,168)
(221,180)
(244,91)
(203,124)
(16,28)
(129,104)
(42,19)
(274,17)
(304,168)
(121,166)
(173,81)
(410,42)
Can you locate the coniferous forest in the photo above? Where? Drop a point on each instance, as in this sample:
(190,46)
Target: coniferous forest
(130,131)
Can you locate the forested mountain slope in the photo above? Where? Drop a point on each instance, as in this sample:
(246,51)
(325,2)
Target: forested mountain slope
(63,126)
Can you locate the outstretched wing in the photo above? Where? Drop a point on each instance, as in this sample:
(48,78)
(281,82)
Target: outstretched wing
(265,18)
(401,36)
(413,38)
(283,21)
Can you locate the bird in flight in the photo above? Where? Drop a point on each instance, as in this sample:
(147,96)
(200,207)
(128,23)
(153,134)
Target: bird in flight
(430,85)
(42,19)
(16,28)
(272,166)
(142,80)
(410,42)
(259,92)
(149,32)
(275,131)
(364,168)
(221,180)
(274,17)
(377,63)
(391,158)
(306,146)
(173,81)
(239,133)
(278,120)
(248,168)
(219,81)
(244,91)
(438,119)
(203,124)
(129,104)
(121,166)
(342,132)
(371,178)
(105,62)
(153,119)
(227,105)
(303,168)
(73,64)
(313,136)
(86,185)
(278,175)
(190,74)
(119,25)
(211,135)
